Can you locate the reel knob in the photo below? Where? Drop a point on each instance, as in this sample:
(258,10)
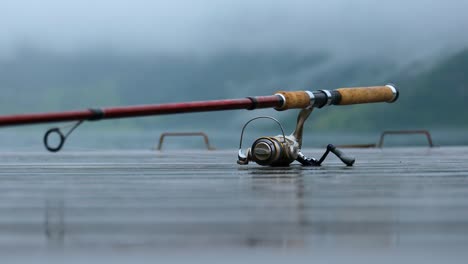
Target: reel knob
(349,161)
(266,151)
(262,151)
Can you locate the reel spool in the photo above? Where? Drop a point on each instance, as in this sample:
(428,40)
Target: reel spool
(273,151)
(282,150)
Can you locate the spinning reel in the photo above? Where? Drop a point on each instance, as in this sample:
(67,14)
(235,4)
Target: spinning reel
(282,150)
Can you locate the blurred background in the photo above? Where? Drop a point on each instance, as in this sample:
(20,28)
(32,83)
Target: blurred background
(398,203)
(63,55)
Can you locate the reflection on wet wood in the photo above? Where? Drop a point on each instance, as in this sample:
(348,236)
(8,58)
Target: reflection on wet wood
(392,197)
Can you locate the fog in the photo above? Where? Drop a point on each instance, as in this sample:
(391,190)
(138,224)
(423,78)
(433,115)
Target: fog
(61,55)
(347,28)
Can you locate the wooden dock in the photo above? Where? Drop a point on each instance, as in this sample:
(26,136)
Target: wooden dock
(151,200)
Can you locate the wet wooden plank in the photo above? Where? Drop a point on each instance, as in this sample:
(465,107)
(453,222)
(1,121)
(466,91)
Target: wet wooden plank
(396,197)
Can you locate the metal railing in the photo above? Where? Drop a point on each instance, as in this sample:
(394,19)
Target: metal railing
(392,132)
(405,132)
(184,134)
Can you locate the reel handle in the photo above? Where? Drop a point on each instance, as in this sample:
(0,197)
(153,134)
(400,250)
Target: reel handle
(349,161)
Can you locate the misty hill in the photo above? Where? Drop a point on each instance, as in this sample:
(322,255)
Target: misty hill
(443,93)
(430,97)
(34,80)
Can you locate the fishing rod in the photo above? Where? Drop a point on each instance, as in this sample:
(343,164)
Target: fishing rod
(282,100)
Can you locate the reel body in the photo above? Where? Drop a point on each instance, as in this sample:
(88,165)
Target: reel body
(273,151)
(282,150)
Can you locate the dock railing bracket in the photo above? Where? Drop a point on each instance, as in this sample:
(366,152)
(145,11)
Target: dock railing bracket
(405,132)
(184,134)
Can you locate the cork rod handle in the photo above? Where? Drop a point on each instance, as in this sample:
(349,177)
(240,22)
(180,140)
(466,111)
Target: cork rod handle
(342,96)
(363,95)
(294,99)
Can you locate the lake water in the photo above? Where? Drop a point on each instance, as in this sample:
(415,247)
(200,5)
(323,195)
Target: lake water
(89,139)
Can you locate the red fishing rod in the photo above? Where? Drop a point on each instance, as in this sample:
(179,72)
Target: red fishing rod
(281,100)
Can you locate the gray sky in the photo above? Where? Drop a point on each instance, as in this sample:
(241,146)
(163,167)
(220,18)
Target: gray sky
(209,26)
